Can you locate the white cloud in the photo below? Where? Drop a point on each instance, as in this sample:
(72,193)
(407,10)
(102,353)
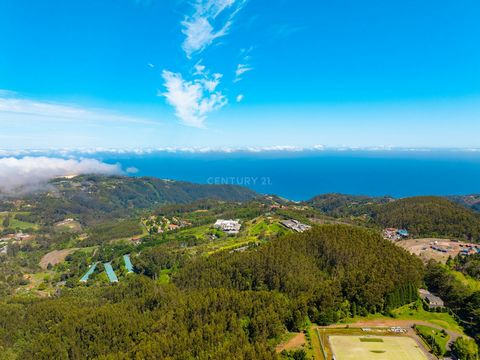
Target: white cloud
(241,69)
(14,108)
(199,68)
(150,65)
(131,170)
(210,20)
(193,100)
(239,97)
(31,173)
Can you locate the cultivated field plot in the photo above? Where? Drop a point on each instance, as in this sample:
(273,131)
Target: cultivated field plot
(375,347)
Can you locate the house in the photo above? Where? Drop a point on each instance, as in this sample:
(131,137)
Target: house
(136,241)
(391,234)
(431,300)
(228,226)
(403,233)
(295,225)
(395,234)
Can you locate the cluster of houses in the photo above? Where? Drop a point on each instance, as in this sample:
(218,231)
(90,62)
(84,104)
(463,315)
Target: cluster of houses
(469,249)
(19,236)
(295,225)
(395,234)
(12,238)
(157,224)
(465,249)
(230,227)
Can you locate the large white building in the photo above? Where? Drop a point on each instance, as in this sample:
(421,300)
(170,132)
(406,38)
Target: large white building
(229,226)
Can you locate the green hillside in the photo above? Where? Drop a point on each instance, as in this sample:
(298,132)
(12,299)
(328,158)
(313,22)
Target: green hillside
(91,197)
(429,216)
(230,305)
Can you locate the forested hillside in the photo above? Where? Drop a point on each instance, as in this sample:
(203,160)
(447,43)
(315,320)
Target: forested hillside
(230,305)
(91,197)
(322,268)
(430,216)
(460,293)
(469,201)
(423,216)
(343,205)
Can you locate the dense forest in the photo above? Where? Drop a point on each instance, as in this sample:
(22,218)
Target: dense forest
(470,201)
(344,206)
(469,265)
(230,305)
(430,216)
(463,299)
(423,216)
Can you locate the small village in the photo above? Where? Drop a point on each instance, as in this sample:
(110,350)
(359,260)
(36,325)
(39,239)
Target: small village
(160,224)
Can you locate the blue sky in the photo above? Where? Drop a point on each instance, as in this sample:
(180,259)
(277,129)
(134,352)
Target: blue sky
(239,73)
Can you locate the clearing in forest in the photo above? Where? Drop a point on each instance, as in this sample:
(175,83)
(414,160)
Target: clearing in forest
(375,347)
(54,257)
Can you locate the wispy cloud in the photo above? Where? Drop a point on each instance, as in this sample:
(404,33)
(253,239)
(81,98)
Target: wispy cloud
(241,69)
(244,66)
(239,98)
(196,95)
(210,20)
(15,108)
(31,173)
(193,100)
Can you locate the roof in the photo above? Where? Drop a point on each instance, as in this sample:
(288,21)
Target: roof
(432,300)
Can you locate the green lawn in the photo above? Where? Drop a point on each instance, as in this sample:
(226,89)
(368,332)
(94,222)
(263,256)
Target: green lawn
(445,320)
(15,223)
(265,227)
(379,347)
(434,336)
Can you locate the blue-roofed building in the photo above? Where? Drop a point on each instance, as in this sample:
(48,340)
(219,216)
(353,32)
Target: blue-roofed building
(110,273)
(128,263)
(403,232)
(90,271)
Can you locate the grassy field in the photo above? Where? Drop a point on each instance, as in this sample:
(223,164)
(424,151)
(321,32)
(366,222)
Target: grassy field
(472,283)
(378,347)
(415,312)
(445,320)
(428,334)
(15,223)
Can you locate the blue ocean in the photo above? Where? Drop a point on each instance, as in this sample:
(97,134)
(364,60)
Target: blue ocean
(302,175)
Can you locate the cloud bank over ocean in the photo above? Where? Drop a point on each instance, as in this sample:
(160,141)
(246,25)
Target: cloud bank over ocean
(32,173)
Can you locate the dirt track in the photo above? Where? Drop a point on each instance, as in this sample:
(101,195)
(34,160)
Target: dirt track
(295,342)
(54,257)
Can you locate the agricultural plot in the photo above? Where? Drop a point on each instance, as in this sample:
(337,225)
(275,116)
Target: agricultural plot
(375,347)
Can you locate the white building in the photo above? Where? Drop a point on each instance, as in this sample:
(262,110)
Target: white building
(295,225)
(228,226)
